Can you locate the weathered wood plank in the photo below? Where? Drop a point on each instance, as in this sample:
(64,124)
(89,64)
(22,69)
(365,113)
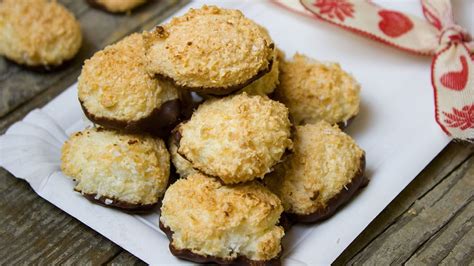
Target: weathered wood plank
(35,231)
(125,258)
(425,218)
(461,254)
(450,237)
(17,86)
(449,159)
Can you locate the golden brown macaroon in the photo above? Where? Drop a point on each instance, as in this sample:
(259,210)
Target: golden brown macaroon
(40,34)
(125,171)
(117,92)
(325,171)
(237,138)
(315,91)
(209,50)
(116,6)
(210,222)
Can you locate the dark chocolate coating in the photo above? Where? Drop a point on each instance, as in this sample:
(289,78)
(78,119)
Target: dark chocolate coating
(176,136)
(122,205)
(187,254)
(286,222)
(159,122)
(343,125)
(219,91)
(188,104)
(357,182)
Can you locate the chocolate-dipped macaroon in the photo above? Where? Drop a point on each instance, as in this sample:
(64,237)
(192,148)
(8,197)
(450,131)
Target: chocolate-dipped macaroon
(116,6)
(116,91)
(38,34)
(125,171)
(315,91)
(208,222)
(209,50)
(325,171)
(236,138)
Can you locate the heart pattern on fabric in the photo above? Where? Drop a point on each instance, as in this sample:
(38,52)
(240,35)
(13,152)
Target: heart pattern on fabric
(394,24)
(456,80)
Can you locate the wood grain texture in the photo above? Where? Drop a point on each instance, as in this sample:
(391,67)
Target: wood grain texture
(125,258)
(34,231)
(452,157)
(425,218)
(451,244)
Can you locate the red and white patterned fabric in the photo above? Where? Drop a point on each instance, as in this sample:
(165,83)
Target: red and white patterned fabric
(452,48)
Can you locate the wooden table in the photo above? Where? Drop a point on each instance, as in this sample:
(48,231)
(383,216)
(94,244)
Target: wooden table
(430,222)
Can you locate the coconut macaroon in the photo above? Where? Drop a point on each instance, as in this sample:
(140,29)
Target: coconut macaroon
(116,91)
(210,222)
(209,50)
(116,6)
(40,34)
(119,170)
(325,171)
(315,91)
(182,166)
(237,138)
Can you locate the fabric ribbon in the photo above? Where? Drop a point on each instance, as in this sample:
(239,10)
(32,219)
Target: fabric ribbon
(452,48)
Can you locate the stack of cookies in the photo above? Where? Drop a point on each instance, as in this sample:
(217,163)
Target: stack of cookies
(264,149)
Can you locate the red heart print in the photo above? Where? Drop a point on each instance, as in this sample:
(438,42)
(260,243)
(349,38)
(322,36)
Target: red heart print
(394,24)
(456,80)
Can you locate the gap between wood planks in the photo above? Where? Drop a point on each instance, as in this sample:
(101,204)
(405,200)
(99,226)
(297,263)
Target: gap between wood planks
(437,234)
(447,162)
(422,220)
